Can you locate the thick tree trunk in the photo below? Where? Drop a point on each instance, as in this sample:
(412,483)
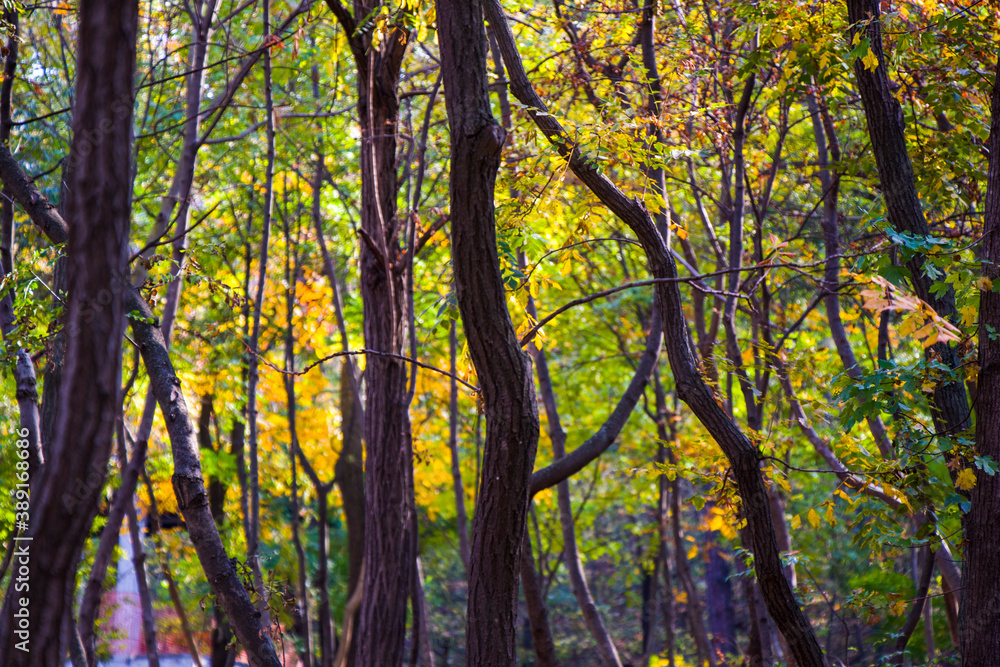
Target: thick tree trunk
(981,604)
(59,514)
(504,371)
(388,474)
(903,209)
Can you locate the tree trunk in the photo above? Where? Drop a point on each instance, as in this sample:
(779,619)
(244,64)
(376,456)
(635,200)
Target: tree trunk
(388,475)
(59,514)
(349,473)
(253,537)
(903,209)
(503,370)
(188,484)
(981,603)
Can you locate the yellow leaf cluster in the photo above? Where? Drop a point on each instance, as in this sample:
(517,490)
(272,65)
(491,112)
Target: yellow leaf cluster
(966,479)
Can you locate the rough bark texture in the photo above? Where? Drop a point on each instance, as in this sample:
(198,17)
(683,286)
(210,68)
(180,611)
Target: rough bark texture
(97,207)
(188,483)
(981,604)
(192,497)
(689,380)
(388,475)
(504,371)
(903,210)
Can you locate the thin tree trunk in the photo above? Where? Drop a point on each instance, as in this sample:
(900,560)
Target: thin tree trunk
(24,368)
(145,599)
(667,432)
(917,609)
(421,633)
(302,598)
(538,615)
(827,147)
(456,469)
(167,571)
(179,194)
(662,520)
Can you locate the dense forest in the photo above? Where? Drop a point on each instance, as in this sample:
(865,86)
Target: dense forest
(573,332)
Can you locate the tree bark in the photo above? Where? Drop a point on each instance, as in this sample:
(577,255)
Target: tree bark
(538,615)
(388,475)
(65,501)
(349,473)
(981,601)
(917,609)
(504,371)
(950,405)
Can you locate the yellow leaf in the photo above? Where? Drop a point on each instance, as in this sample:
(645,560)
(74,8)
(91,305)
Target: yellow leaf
(795,522)
(682,233)
(692,552)
(870,60)
(898,607)
(813,518)
(984,283)
(970,312)
(966,479)
(857,38)
(830,519)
